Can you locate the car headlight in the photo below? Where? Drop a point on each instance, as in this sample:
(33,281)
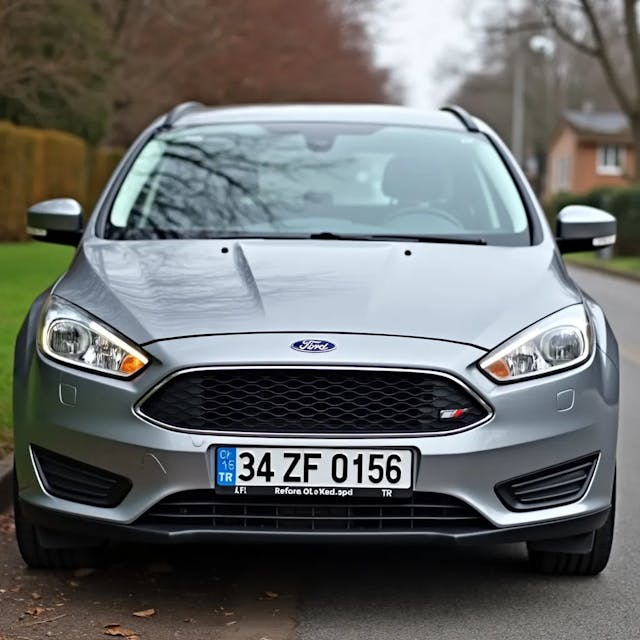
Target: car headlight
(559,341)
(71,335)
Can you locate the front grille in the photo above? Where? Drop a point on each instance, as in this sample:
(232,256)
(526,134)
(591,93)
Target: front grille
(204,509)
(69,479)
(550,487)
(326,401)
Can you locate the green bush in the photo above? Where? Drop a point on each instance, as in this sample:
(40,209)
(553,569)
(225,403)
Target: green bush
(560,201)
(625,206)
(621,202)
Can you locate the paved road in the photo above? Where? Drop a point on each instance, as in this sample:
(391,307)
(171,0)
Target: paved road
(353,593)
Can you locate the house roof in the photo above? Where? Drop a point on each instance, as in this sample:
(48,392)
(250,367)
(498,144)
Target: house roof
(599,125)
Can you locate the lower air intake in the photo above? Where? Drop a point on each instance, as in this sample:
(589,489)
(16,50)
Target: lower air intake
(204,509)
(69,479)
(550,487)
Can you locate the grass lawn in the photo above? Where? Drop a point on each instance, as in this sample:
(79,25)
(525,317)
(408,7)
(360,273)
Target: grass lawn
(623,265)
(26,269)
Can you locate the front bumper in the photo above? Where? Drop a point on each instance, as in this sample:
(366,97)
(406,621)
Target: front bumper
(530,430)
(80,526)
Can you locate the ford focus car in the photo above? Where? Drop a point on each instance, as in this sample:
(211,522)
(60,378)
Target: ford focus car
(302,323)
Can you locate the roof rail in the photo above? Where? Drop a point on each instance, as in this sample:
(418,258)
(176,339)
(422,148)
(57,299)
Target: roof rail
(462,115)
(180,110)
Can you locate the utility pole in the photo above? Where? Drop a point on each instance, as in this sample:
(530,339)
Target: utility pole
(517,104)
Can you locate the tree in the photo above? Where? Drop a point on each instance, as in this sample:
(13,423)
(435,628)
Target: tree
(567,79)
(82,65)
(156,46)
(55,66)
(607,31)
(236,51)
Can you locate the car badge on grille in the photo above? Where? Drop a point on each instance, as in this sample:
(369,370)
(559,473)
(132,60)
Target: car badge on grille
(452,414)
(313,346)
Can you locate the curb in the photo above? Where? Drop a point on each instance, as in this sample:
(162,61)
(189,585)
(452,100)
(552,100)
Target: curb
(626,275)
(6,483)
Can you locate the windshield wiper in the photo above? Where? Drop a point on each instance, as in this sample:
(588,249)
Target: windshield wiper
(433,239)
(328,235)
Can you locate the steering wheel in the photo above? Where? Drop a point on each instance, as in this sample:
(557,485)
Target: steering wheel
(417,208)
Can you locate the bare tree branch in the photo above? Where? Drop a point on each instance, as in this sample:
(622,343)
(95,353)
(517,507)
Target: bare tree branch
(610,72)
(565,34)
(633,41)
(514,29)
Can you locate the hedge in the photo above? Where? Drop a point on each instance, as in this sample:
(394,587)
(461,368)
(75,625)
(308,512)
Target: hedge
(38,164)
(621,202)
(19,150)
(102,162)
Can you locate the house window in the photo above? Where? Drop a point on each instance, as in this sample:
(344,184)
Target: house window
(610,159)
(562,173)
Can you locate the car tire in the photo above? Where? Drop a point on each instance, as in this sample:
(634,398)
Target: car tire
(62,556)
(578,564)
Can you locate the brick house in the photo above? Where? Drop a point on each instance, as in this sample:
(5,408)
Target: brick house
(589,149)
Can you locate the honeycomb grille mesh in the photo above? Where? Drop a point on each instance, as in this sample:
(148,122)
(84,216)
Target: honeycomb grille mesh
(297,401)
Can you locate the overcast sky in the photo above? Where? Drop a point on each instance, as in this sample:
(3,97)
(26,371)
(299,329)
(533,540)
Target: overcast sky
(415,37)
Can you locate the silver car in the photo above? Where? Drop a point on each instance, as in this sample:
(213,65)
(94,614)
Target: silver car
(294,323)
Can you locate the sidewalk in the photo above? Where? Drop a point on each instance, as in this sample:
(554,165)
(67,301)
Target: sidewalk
(603,266)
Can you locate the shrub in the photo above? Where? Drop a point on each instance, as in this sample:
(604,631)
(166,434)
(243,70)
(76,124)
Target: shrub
(103,160)
(37,164)
(625,206)
(63,170)
(19,151)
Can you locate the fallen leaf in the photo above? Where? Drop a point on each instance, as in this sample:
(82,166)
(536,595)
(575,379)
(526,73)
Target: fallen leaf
(145,613)
(117,630)
(84,572)
(228,613)
(232,622)
(36,596)
(34,611)
(271,595)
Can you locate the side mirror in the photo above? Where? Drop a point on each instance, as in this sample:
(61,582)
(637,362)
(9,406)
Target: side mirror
(58,221)
(581,228)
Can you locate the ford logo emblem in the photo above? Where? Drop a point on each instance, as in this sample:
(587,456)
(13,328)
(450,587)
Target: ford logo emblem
(313,346)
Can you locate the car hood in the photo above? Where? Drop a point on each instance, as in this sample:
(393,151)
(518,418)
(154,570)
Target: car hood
(160,289)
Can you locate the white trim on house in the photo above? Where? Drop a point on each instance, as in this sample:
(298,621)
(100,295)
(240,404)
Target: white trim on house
(561,174)
(610,159)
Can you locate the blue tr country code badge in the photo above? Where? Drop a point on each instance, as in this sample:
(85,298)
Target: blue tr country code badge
(226,466)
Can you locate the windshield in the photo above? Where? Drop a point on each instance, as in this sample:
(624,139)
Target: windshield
(301,179)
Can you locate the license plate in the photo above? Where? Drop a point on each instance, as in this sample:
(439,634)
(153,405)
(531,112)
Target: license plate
(314,472)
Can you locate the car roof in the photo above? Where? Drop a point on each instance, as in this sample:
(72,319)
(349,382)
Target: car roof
(356,113)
